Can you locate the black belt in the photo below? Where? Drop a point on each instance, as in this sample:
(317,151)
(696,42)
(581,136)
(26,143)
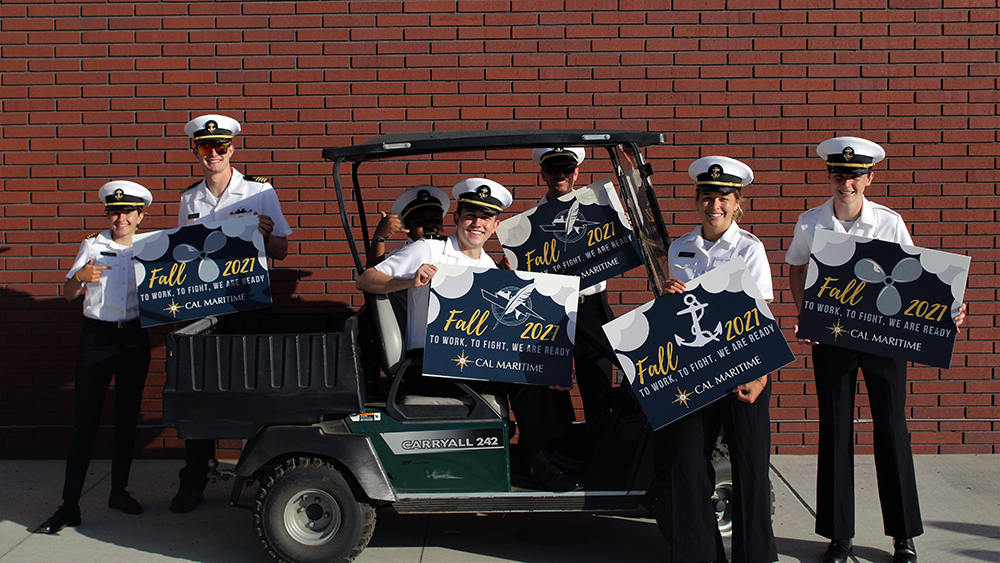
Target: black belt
(133,324)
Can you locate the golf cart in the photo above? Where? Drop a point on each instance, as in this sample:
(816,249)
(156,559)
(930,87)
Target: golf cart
(331,435)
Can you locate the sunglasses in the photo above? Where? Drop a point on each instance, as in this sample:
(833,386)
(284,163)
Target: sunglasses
(553,169)
(207,148)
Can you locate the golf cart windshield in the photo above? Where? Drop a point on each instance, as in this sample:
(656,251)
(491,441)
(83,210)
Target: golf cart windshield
(454,153)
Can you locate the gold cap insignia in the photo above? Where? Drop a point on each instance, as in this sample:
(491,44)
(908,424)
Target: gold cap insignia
(483,191)
(423,195)
(848,153)
(715,170)
(211,126)
(119,194)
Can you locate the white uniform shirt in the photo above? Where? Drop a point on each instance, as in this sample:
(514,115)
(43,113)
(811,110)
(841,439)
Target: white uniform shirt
(876,222)
(198,205)
(597,287)
(689,257)
(114,297)
(407,260)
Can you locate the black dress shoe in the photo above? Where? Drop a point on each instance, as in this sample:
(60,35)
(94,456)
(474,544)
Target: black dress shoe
(904,551)
(838,551)
(123,501)
(545,476)
(66,515)
(186,500)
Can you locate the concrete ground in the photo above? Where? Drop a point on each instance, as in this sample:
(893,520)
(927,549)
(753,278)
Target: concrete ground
(959,496)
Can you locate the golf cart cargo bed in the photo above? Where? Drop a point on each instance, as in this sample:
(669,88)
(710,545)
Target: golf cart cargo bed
(231,376)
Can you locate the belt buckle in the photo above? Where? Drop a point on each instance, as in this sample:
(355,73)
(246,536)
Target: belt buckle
(582,296)
(122,324)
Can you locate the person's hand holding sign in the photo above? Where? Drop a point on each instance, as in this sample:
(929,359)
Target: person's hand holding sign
(424,275)
(675,286)
(748,392)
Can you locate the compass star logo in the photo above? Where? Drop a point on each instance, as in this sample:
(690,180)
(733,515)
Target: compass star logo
(461,361)
(173,308)
(837,330)
(682,397)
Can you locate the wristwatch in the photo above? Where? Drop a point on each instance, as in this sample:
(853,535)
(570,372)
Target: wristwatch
(378,239)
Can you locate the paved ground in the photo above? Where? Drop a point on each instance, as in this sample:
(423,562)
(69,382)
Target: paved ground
(960,499)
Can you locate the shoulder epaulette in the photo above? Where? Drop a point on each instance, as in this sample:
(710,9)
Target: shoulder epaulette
(260,179)
(92,235)
(192,185)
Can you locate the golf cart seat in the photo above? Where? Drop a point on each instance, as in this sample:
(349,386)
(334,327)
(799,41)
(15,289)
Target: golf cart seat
(467,404)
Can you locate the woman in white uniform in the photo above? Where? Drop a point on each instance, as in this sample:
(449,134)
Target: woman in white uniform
(688,519)
(112,343)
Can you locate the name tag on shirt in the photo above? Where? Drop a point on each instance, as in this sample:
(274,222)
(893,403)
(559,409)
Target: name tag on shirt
(685,254)
(106,253)
(194,215)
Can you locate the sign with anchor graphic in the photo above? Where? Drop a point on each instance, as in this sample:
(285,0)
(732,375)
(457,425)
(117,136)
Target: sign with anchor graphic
(584,233)
(676,365)
(888,299)
(200,270)
(501,325)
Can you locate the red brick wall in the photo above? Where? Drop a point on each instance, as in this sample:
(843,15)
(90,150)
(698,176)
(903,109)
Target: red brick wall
(98,90)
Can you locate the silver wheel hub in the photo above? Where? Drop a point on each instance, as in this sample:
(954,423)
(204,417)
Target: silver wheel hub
(312,517)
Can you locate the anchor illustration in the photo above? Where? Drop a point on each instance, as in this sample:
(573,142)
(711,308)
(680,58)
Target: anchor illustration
(701,337)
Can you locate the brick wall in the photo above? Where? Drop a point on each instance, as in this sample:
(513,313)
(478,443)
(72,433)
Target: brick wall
(94,91)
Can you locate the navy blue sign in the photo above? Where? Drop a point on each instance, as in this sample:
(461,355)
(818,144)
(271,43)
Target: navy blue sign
(201,270)
(501,325)
(882,297)
(683,351)
(584,233)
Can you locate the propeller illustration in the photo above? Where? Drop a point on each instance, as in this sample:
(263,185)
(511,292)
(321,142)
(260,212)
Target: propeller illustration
(208,270)
(905,271)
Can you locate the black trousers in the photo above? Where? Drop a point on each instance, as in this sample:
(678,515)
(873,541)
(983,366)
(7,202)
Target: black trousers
(685,448)
(197,454)
(836,371)
(593,368)
(106,351)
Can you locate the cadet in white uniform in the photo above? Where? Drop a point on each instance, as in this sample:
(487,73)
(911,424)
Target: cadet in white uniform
(559,169)
(112,343)
(224,193)
(478,203)
(419,212)
(849,162)
(691,527)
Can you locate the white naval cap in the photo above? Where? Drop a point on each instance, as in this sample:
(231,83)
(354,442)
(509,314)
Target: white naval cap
(212,127)
(420,197)
(480,193)
(720,174)
(572,154)
(122,195)
(850,155)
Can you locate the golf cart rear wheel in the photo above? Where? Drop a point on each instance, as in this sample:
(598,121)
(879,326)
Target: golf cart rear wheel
(307,512)
(722,497)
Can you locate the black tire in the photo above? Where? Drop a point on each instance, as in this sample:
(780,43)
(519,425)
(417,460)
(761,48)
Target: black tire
(307,512)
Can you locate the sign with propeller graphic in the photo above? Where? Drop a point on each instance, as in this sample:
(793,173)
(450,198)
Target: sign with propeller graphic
(501,325)
(885,298)
(200,270)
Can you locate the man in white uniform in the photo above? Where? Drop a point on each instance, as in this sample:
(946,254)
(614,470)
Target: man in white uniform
(478,204)
(223,194)
(559,169)
(418,212)
(849,162)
